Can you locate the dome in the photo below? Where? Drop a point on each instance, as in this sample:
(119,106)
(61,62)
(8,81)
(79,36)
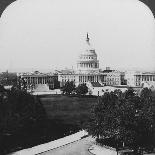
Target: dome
(88,48)
(88,58)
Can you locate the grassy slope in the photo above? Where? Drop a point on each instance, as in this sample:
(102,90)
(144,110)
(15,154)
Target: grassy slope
(70,110)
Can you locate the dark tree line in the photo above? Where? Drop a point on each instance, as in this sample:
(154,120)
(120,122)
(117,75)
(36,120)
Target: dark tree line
(20,113)
(124,120)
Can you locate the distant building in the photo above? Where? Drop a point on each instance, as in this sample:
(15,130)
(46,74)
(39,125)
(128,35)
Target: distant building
(135,78)
(112,77)
(95,88)
(130,78)
(36,78)
(145,79)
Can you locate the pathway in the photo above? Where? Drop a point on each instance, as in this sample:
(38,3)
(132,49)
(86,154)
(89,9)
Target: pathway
(79,147)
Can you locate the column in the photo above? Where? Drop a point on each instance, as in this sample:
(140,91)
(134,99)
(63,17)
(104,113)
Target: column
(42,82)
(30,79)
(36,80)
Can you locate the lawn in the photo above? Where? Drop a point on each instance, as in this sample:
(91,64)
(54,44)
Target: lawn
(68,109)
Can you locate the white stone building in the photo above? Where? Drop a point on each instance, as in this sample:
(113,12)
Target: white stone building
(87,68)
(95,88)
(130,78)
(145,79)
(135,78)
(112,77)
(35,79)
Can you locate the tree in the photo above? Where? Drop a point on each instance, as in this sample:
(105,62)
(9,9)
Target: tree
(20,112)
(127,119)
(129,93)
(82,89)
(21,84)
(68,88)
(7,78)
(56,84)
(104,120)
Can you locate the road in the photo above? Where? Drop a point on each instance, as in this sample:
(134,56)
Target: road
(76,148)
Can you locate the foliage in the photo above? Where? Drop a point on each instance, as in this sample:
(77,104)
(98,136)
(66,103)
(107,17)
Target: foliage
(21,84)
(68,88)
(82,89)
(127,118)
(56,84)
(7,78)
(20,113)
(18,110)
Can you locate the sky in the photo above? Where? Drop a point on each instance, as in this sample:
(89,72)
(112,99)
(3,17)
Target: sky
(50,34)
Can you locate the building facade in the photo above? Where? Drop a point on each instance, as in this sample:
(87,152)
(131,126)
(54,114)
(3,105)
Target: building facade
(112,77)
(136,78)
(36,78)
(144,77)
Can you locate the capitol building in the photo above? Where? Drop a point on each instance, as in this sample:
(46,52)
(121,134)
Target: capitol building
(87,68)
(88,72)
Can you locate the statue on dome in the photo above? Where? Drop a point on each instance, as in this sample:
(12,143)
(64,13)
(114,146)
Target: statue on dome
(87,39)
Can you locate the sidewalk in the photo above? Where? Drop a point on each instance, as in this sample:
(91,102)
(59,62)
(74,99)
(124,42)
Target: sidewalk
(99,150)
(52,145)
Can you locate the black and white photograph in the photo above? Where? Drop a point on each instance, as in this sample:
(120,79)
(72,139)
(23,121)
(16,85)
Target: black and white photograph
(77,77)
